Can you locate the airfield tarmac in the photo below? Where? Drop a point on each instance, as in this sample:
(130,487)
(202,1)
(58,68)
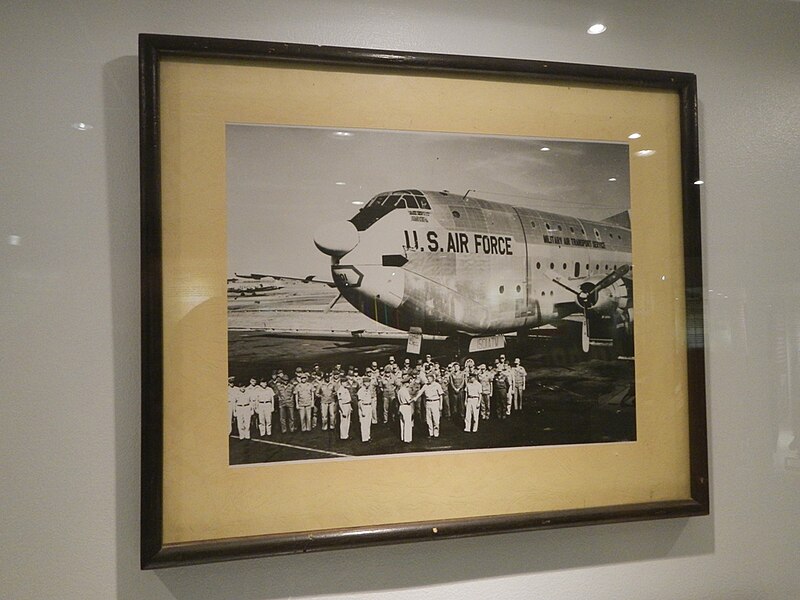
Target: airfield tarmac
(571,397)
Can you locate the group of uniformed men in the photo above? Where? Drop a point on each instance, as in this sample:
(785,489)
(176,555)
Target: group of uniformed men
(395,393)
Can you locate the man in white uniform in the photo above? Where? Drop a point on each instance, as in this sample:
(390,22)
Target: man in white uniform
(473,403)
(243,410)
(406,410)
(232,392)
(345,403)
(265,405)
(432,392)
(366,399)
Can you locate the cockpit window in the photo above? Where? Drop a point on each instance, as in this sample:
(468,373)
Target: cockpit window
(413,201)
(383,204)
(377,201)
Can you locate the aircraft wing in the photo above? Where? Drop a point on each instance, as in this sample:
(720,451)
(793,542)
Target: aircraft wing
(291,308)
(576,317)
(389,336)
(260,276)
(255,285)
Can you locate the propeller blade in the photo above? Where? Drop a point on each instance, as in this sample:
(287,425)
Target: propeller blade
(606,281)
(556,278)
(332,304)
(585,333)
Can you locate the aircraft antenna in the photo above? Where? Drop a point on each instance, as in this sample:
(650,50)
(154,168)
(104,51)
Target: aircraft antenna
(467,194)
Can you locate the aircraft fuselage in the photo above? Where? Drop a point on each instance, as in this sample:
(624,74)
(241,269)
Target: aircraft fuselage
(449,264)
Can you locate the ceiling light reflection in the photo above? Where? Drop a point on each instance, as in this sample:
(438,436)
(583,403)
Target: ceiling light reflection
(645,153)
(596,29)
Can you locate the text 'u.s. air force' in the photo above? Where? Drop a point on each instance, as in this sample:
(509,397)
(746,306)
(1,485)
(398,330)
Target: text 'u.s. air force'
(459,242)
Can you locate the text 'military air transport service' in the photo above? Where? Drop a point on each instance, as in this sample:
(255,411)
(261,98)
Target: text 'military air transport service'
(427,317)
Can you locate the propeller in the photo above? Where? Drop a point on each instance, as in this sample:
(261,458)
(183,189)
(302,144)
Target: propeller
(332,304)
(586,296)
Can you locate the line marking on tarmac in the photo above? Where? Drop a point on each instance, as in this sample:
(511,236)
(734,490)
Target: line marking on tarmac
(296,447)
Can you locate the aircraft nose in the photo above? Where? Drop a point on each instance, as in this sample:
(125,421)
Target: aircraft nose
(336,239)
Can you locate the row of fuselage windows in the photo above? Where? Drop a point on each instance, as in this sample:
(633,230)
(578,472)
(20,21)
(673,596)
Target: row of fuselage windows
(519,290)
(572,230)
(598,235)
(577,272)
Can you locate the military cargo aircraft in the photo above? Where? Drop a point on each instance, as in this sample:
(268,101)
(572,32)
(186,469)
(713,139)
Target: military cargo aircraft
(444,264)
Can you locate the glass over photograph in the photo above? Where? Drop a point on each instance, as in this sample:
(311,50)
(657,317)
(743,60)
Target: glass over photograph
(396,292)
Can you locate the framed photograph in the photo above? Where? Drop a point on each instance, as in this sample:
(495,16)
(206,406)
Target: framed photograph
(389,297)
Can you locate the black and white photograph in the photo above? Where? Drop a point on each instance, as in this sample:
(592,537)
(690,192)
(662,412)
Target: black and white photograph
(395,292)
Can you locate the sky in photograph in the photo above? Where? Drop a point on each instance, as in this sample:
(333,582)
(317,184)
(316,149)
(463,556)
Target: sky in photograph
(284,182)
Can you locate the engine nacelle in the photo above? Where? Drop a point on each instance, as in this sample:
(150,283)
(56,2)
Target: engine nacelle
(607,300)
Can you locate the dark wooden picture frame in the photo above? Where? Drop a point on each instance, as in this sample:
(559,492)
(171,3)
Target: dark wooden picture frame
(156,551)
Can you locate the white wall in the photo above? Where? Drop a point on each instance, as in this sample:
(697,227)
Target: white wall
(69,308)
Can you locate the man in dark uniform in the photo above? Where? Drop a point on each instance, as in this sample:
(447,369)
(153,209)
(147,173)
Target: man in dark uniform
(485,378)
(315,379)
(326,392)
(389,385)
(265,405)
(285,393)
(407,367)
(455,384)
(375,381)
(304,401)
(501,385)
(520,382)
